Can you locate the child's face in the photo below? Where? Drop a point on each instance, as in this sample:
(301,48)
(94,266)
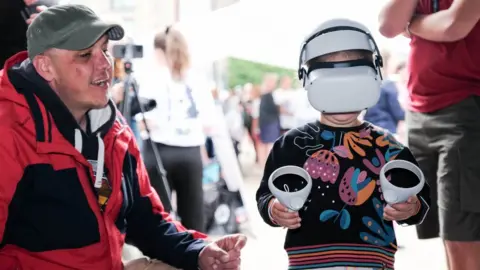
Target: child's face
(340,119)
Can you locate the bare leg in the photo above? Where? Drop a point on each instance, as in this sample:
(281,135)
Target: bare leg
(463,255)
(266,147)
(261,153)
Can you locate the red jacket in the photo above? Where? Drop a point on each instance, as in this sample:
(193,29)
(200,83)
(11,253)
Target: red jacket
(52,215)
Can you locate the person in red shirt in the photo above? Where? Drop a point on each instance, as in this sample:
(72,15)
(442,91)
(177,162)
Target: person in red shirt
(444,115)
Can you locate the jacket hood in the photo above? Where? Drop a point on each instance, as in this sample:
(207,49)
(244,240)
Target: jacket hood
(21,84)
(27,82)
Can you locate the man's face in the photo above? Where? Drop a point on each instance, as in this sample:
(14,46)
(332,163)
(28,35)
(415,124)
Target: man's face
(82,78)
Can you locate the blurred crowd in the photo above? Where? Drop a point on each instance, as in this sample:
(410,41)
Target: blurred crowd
(267,110)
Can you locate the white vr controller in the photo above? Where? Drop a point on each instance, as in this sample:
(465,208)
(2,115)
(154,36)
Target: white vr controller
(393,194)
(295,200)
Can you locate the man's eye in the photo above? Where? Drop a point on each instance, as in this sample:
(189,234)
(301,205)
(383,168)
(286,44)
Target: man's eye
(85,55)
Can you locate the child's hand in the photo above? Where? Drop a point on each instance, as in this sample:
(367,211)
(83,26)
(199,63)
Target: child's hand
(402,211)
(283,217)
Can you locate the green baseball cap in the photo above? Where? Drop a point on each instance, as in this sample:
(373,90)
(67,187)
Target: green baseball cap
(68,27)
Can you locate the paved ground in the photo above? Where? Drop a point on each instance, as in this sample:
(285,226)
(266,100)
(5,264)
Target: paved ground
(265,252)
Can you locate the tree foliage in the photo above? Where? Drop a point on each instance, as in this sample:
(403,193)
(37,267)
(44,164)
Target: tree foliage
(242,71)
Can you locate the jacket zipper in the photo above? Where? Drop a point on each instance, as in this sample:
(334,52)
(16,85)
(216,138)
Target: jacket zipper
(112,172)
(89,170)
(91,176)
(103,210)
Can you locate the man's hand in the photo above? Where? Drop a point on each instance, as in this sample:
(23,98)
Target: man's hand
(283,217)
(33,15)
(402,211)
(223,254)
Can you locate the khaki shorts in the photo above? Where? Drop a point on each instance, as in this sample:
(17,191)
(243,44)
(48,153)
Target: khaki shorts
(446,144)
(147,264)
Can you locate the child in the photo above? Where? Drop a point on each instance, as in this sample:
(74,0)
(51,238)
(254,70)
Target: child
(345,223)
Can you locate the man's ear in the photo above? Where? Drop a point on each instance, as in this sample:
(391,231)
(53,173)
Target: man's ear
(43,65)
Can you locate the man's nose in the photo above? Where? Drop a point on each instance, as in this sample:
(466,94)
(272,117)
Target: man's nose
(103,61)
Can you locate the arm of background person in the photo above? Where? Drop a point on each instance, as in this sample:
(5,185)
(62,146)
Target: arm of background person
(255,114)
(208,112)
(449,25)
(395,16)
(281,102)
(151,229)
(152,86)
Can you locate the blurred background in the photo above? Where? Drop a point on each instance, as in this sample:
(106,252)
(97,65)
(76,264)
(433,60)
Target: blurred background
(236,51)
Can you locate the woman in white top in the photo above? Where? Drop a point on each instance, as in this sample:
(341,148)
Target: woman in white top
(177,126)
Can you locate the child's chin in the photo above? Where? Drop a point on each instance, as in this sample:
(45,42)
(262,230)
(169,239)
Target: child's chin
(344,117)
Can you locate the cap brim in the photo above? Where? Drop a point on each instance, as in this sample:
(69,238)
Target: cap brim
(86,36)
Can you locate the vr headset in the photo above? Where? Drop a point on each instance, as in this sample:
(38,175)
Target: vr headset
(344,86)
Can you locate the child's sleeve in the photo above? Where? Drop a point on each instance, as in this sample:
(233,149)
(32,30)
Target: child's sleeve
(423,195)
(275,160)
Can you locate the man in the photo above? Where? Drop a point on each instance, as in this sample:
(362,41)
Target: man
(444,115)
(73,187)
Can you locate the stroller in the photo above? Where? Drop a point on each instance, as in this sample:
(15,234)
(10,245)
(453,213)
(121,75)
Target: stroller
(223,208)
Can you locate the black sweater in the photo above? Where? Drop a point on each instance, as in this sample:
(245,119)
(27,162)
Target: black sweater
(342,221)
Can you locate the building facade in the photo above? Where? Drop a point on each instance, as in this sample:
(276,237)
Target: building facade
(148,15)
